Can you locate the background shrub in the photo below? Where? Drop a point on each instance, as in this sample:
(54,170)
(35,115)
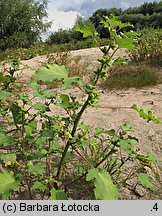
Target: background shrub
(149,47)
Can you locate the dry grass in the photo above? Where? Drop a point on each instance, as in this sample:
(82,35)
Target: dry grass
(133,76)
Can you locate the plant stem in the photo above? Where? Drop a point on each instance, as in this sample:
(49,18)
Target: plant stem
(72,134)
(98,164)
(23,130)
(48,160)
(82,156)
(29,189)
(68,144)
(122,163)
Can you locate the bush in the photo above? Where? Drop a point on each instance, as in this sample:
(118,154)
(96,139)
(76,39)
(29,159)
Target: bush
(149,47)
(24,53)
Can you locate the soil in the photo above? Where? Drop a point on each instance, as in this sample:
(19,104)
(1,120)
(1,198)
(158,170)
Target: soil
(114,106)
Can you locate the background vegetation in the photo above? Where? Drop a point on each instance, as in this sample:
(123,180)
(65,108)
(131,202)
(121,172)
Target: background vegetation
(146,16)
(21,22)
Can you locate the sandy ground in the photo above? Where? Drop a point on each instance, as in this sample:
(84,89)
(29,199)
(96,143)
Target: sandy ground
(114,106)
(111,114)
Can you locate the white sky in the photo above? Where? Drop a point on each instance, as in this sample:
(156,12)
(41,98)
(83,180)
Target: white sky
(62,19)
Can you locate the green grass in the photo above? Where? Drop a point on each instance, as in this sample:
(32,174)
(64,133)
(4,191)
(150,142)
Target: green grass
(133,76)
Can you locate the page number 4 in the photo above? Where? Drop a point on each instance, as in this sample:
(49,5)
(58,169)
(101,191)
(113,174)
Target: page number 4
(155,207)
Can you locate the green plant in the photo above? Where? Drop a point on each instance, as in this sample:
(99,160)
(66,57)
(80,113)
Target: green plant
(149,47)
(74,64)
(24,53)
(41,149)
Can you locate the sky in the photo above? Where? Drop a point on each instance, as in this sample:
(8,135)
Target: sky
(63,13)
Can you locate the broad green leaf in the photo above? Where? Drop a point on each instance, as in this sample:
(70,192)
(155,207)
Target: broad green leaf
(39,186)
(38,154)
(87,31)
(83,127)
(71,81)
(28,130)
(153,158)
(98,131)
(110,132)
(146,181)
(30,127)
(124,40)
(65,100)
(5,140)
(41,142)
(47,133)
(125,145)
(53,194)
(44,152)
(104,187)
(34,85)
(133,140)
(8,183)
(50,73)
(126,127)
(53,72)
(4,95)
(61,195)
(16,113)
(7,157)
(49,94)
(113,22)
(57,195)
(38,168)
(41,107)
(146,114)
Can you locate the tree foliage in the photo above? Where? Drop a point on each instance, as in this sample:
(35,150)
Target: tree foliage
(148,15)
(63,36)
(21,22)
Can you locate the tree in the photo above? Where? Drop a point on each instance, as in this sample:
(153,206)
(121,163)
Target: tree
(21,22)
(148,15)
(63,36)
(99,15)
(96,19)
